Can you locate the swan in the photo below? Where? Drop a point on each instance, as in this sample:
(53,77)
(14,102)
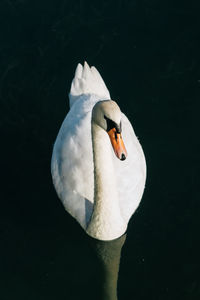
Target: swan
(98,165)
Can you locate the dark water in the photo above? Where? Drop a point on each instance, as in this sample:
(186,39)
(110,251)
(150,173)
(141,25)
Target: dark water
(148,55)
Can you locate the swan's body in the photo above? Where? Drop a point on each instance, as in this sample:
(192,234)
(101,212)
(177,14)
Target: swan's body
(100,191)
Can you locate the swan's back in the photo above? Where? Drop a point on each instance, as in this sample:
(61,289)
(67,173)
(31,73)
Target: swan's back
(72,159)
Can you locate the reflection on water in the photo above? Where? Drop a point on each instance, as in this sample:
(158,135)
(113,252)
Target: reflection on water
(108,254)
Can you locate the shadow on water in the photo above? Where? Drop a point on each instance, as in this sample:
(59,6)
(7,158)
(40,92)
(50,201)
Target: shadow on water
(108,254)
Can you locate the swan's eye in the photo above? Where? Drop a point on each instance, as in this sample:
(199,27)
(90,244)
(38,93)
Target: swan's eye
(111,124)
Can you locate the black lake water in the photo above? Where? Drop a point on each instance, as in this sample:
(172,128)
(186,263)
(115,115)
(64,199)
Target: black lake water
(148,55)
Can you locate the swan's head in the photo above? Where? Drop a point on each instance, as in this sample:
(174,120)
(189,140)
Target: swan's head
(107,115)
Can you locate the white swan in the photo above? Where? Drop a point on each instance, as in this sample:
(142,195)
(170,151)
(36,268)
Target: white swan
(97,186)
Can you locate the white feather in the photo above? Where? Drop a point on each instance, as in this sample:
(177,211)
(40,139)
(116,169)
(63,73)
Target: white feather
(72,159)
(87,81)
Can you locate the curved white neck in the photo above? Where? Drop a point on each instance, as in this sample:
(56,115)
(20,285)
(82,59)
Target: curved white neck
(106,222)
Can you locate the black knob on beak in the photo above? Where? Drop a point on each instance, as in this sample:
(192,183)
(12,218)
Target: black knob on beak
(123,157)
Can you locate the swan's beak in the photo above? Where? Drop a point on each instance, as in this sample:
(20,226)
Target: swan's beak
(117,143)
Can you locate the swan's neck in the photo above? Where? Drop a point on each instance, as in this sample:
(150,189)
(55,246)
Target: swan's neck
(106,222)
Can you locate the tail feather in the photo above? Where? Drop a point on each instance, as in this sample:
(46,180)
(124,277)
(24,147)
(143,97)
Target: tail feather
(79,70)
(87,81)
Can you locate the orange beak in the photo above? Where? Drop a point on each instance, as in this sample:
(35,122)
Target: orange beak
(117,143)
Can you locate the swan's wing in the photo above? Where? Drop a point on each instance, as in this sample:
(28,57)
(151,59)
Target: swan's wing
(87,81)
(72,162)
(131,173)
